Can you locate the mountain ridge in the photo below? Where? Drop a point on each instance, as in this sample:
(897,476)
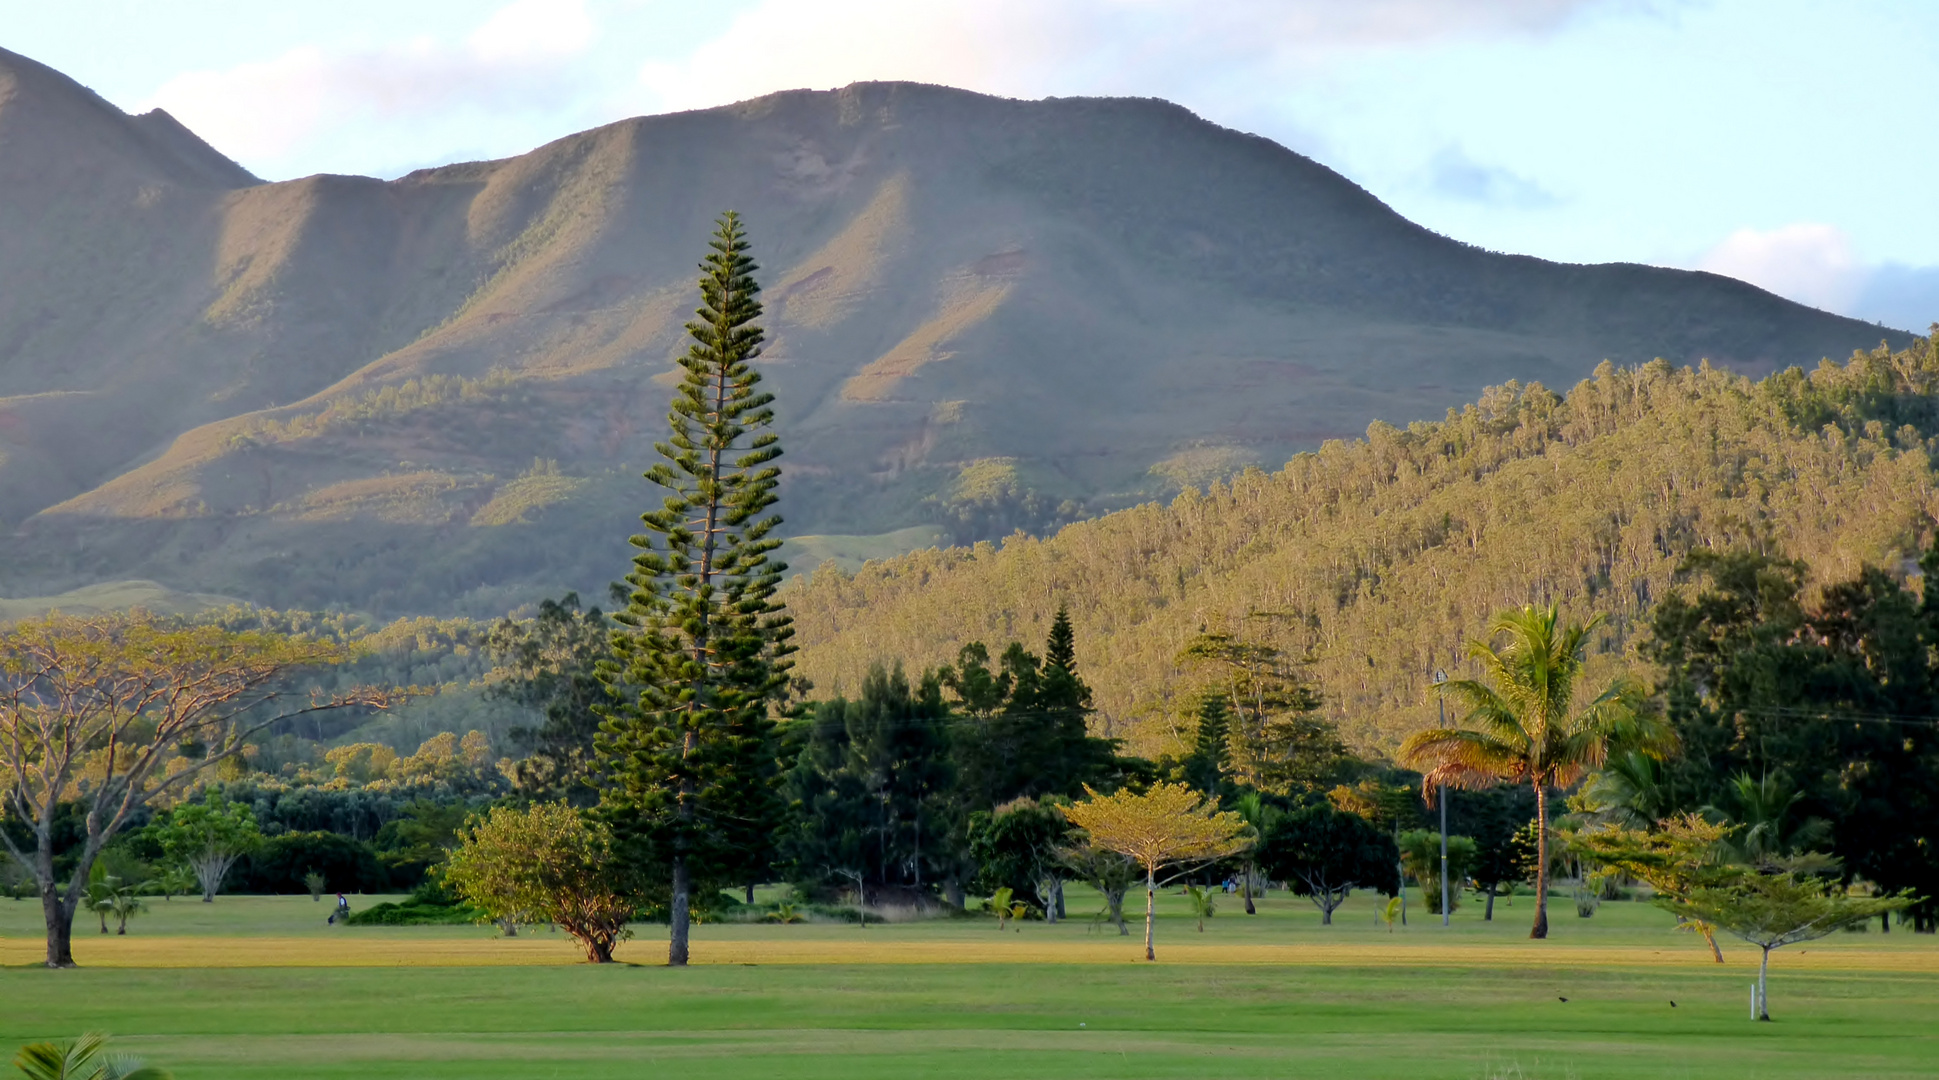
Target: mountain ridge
(984,313)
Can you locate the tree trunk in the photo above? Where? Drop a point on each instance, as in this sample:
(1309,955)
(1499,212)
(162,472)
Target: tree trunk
(1061,913)
(1541,928)
(60,927)
(1401,868)
(750,894)
(1710,936)
(1245,883)
(1151,910)
(1488,915)
(953,892)
(597,939)
(1763,971)
(677,914)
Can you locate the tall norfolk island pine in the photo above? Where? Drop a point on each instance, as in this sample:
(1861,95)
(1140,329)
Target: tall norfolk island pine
(703,645)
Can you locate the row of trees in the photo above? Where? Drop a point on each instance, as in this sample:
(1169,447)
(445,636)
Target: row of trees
(1755,878)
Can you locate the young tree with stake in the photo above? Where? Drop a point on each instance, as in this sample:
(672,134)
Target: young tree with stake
(1771,911)
(701,652)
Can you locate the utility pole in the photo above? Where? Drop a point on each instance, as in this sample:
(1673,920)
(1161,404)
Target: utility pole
(1440,678)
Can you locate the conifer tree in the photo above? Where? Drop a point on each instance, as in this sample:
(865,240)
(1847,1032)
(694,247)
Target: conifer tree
(702,651)
(1206,768)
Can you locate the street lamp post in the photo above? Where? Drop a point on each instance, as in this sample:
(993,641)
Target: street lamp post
(1440,678)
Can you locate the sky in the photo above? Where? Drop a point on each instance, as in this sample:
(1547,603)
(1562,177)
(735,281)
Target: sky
(1790,143)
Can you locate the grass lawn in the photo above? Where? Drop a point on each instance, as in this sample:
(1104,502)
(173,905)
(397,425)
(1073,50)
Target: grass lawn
(260,987)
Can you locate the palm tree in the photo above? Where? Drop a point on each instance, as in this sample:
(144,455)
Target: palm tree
(1770,835)
(1628,791)
(99,898)
(1525,728)
(1262,816)
(82,1059)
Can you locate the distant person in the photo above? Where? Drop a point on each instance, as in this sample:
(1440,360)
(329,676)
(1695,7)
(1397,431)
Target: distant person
(343,909)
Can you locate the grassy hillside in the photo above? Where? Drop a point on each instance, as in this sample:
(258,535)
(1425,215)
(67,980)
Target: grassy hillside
(426,394)
(1379,558)
(111,596)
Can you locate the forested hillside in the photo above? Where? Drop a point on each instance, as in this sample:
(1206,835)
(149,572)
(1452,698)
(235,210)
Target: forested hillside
(1377,559)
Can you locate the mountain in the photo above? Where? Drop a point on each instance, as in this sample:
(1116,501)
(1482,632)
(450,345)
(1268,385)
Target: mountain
(1373,563)
(436,393)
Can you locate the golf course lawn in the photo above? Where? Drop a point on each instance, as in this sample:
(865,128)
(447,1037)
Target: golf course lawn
(260,987)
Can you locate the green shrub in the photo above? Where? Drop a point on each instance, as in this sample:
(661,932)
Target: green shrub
(411,914)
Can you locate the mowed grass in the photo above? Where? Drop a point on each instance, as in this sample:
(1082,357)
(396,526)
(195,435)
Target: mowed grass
(260,987)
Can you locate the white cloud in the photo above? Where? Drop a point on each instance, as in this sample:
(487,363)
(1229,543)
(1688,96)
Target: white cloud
(1812,264)
(1190,50)
(533,70)
(534,28)
(518,60)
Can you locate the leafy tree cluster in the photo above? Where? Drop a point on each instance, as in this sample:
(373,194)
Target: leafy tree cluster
(989,500)
(1810,720)
(948,780)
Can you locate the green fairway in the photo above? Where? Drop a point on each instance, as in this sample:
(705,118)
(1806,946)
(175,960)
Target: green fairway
(1858,1004)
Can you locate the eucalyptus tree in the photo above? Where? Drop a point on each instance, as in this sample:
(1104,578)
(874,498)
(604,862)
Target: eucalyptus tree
(1527,728)
(701,652)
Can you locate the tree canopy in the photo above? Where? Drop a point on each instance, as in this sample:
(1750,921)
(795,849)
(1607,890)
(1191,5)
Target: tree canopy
(1163,828)
(119,711)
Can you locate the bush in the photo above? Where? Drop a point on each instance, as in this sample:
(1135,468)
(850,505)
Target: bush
(414,914)
(282,862)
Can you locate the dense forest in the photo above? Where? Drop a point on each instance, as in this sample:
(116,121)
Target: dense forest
(1368,565)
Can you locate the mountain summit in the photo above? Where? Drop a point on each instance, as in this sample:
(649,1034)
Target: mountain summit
(437,392)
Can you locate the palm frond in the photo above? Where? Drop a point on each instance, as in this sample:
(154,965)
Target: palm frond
(1462,757)
(1487,711)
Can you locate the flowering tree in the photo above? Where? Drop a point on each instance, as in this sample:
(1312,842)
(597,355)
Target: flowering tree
(1171,827)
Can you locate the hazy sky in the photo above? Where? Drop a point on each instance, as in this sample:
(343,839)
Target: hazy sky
(1793,143)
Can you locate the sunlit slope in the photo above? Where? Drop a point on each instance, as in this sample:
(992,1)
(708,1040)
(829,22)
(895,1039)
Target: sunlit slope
(428,393)
(1381,557)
